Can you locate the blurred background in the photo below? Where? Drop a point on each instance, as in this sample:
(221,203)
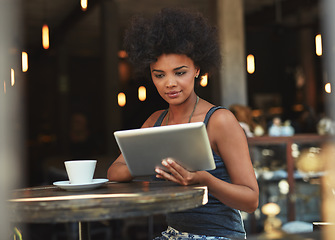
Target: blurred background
(74,86)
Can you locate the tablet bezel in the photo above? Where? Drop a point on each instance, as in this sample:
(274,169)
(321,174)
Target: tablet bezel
(187,144)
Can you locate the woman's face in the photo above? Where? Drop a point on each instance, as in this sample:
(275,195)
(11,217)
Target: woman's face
(173,76)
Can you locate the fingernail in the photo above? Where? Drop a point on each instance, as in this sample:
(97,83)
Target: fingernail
(157,170)
(169,161)
(164,163)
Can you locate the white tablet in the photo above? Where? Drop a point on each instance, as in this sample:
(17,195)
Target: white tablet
(144,149)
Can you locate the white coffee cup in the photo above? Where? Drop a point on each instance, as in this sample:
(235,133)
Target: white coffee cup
(80,171)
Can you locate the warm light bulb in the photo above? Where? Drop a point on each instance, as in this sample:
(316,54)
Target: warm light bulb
(204,81)
(284,187)
(121,98)
(12,77)
(271,209)
(142,93)
(45,36)
(318,45)
(122,54)
(83,4)
(24,62)
(250,64)
(328,88)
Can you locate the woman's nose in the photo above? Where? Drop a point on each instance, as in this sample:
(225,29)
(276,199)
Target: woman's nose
(171,82)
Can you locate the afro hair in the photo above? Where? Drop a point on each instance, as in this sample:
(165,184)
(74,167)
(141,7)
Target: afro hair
(172,31)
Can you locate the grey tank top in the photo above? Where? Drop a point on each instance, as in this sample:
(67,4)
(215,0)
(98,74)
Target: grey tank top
(214,218)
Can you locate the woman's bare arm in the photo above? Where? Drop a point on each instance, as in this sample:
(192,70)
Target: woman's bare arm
(119,171)
(229,141)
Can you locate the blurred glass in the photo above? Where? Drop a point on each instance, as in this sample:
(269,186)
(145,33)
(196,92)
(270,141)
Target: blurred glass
(11,122)
(328,9)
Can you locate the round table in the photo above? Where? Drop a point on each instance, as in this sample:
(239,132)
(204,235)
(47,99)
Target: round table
(49,204)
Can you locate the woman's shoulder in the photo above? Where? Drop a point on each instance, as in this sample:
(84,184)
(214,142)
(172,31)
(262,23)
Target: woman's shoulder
(150,122)
(222,117)
(223,126)
(209,111)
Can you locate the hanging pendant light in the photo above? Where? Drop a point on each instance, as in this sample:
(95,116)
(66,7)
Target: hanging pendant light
(204,80)
(24,62)
(121,99)
(328,88)
(250,64)
(318,45)
(83,4)
(45,36)
(45,29)
(12,77)
(142,93)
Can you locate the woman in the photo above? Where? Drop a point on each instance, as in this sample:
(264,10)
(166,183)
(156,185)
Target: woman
(176,48)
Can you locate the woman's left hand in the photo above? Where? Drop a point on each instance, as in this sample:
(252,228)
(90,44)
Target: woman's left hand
(177,174)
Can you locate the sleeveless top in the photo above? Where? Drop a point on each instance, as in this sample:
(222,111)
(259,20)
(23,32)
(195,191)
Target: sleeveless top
(214,218)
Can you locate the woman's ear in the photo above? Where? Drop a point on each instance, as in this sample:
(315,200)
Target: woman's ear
(197,72)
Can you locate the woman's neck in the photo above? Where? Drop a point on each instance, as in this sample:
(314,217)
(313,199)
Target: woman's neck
(182,113)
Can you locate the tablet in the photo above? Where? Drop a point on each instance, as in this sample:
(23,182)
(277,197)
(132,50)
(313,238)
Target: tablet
(144,149)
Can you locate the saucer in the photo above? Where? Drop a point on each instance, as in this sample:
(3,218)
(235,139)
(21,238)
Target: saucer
(66,185)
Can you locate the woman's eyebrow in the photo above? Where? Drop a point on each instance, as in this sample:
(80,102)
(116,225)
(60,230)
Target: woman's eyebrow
(178,68)
(156,70)
(175,69)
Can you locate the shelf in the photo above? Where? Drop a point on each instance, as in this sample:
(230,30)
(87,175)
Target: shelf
(263,141)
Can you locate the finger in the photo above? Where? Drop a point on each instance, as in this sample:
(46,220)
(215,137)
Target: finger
(161,173)
(175,169)
(164,175)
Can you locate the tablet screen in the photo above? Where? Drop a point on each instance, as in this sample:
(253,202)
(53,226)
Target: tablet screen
(187,144)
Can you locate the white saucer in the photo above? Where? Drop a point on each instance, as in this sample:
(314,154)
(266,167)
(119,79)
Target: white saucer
(80,187)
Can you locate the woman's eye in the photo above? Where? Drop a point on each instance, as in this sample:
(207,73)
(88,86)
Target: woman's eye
(180,73)
(159,75)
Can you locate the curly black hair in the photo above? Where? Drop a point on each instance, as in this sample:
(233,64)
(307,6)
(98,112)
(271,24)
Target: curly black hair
(175,31)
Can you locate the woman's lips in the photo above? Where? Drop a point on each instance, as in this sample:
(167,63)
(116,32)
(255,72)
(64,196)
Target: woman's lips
(173,94)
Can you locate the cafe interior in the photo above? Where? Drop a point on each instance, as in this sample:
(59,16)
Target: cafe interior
(72,86)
